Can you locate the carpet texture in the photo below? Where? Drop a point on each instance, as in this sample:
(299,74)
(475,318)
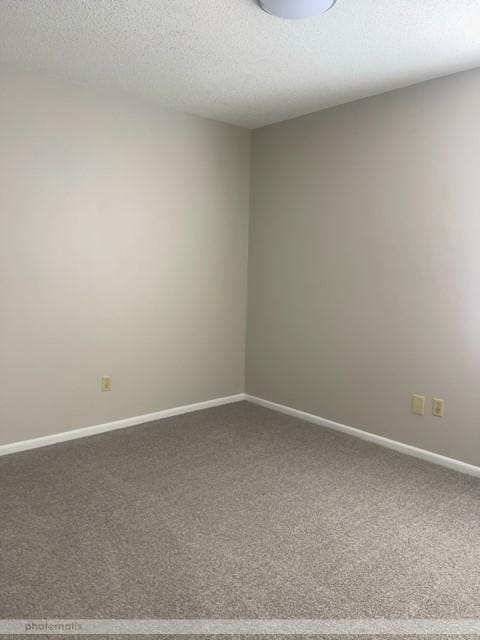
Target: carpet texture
(231,512)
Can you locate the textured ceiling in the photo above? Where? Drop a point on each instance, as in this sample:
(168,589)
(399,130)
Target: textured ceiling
(227,60)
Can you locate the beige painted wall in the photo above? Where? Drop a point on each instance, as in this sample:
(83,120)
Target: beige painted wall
(364,274)
(123,248)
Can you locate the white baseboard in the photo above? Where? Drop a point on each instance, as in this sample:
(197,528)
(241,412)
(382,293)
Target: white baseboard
(73,434)
(83,432)
(436,458)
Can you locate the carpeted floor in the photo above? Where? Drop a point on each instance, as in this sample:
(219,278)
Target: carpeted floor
(233,512)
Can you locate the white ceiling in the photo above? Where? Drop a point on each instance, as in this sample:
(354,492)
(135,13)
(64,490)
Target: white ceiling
(227,60)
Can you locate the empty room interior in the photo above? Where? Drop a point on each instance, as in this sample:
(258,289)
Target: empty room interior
(240,318)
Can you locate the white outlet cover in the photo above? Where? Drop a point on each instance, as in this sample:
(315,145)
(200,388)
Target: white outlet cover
(438,407)
(296,9)
(418,404)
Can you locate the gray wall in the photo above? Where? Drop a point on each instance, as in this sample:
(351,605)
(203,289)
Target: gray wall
(123,250)
(364,274)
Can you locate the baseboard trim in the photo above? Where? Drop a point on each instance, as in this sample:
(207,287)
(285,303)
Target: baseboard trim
(423,454)
(83,432)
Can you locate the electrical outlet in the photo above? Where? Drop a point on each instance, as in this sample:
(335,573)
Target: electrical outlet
(438,407)
(106,383)
(418,404)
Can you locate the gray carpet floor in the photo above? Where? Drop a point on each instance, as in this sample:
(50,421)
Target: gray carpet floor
(232,512)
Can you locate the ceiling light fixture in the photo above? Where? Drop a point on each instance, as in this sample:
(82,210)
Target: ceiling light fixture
(294,9)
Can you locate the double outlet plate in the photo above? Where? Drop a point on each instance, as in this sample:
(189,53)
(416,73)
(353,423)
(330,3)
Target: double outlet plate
(418,406)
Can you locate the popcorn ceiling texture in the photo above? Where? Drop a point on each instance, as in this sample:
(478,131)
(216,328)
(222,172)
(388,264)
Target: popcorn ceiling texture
(228,60)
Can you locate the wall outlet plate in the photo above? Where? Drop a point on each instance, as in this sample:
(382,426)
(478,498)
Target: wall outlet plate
(438,407)
(106,383)
(418,404)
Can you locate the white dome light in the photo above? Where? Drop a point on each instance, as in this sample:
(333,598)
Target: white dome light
(296,8)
